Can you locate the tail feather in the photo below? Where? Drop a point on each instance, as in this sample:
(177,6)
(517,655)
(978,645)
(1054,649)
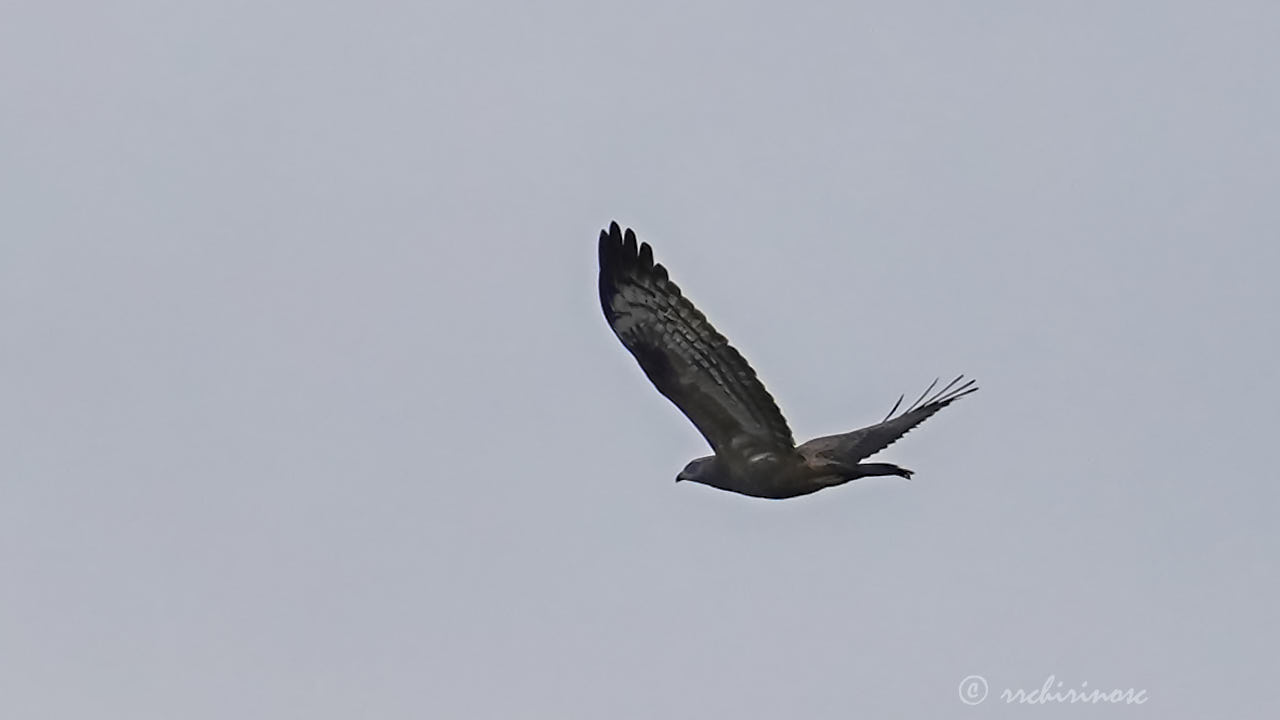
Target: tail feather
(869,469)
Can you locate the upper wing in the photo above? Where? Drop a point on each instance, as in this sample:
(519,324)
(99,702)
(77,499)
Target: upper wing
(860,444)
(685,358)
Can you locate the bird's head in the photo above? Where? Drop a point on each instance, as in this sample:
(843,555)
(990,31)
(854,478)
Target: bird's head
(698,471)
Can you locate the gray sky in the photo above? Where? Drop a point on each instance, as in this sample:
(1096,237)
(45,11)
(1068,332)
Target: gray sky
(310,411)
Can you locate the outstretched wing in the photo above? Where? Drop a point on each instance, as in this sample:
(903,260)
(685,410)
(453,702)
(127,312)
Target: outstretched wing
(860,444)
(685,358)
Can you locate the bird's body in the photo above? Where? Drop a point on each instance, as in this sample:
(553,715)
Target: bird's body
(698,370)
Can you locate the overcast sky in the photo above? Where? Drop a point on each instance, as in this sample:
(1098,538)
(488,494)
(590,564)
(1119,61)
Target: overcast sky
(309,410)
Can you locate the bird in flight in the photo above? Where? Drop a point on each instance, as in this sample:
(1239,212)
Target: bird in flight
(696,368)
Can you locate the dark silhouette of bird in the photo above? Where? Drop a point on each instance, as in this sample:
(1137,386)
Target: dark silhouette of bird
(698,370)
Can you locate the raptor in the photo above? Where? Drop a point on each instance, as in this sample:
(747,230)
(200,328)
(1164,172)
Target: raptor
(696,368)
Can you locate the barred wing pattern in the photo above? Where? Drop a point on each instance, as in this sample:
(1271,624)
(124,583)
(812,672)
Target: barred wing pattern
(684,357)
